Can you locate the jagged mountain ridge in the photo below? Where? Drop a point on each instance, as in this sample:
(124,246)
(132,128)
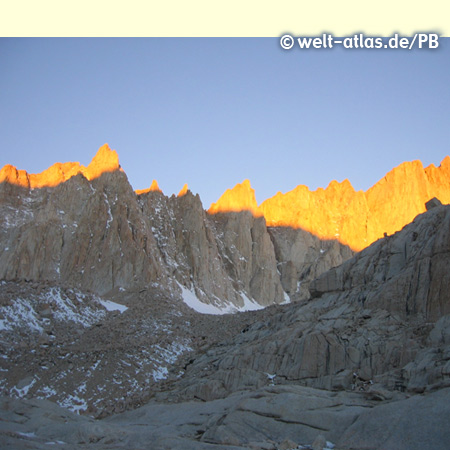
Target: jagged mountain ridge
(85,227)
(354,218)
(106,160)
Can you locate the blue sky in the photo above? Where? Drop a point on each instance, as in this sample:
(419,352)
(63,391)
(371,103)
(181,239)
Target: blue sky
(212,112)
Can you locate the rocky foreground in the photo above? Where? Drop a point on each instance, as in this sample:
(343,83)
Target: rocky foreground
(364,364)
(277,417)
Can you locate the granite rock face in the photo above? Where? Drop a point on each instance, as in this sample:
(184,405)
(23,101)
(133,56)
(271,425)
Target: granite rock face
(376,322)
(88,234)
(85,227)
(223,259)
(353,218)
(303,257)
(249,255)
(300,255)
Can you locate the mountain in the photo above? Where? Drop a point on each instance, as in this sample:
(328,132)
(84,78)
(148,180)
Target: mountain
(106,160)
(240,198)
(354,218)
(363,364)
(86,228)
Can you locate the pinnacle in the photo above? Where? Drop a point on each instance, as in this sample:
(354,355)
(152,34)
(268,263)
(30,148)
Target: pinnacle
(154,187)
(105,160)
(240,198)
(183,191)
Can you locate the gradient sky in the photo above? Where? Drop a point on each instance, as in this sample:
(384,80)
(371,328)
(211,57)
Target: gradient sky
(212,112)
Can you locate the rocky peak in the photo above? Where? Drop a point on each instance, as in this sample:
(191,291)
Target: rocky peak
(10,174)
(89,230)
(56,174)
(106,160)
(184,190)
(357,218)
(153,187)
(240,198)
(92,219)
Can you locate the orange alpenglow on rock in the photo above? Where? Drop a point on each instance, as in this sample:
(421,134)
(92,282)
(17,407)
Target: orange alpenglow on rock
(153,187)
(106,160)
(327,213)
(240,198)
(183,191)
(9,174)
(354,218)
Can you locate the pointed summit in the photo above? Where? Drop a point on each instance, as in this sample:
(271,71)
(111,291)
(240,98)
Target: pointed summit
(106,160)
(153,187)
(183,191)
(9,174)
(240,198)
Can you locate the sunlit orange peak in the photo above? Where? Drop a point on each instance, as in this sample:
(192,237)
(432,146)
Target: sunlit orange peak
(153,187)
(11,175)
(358,218)
(183,191)
(240,198)
(106,160)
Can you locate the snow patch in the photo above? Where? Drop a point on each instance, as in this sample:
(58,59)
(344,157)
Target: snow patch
(27,435)
(74,404)
(160,374)
(168,356)
(21,393)
(47,392)
(193,302)
(21,313)
(13,218)
(271,378)
(196,304)
(112,306)
(110,217)
(66,310)
(249,305)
